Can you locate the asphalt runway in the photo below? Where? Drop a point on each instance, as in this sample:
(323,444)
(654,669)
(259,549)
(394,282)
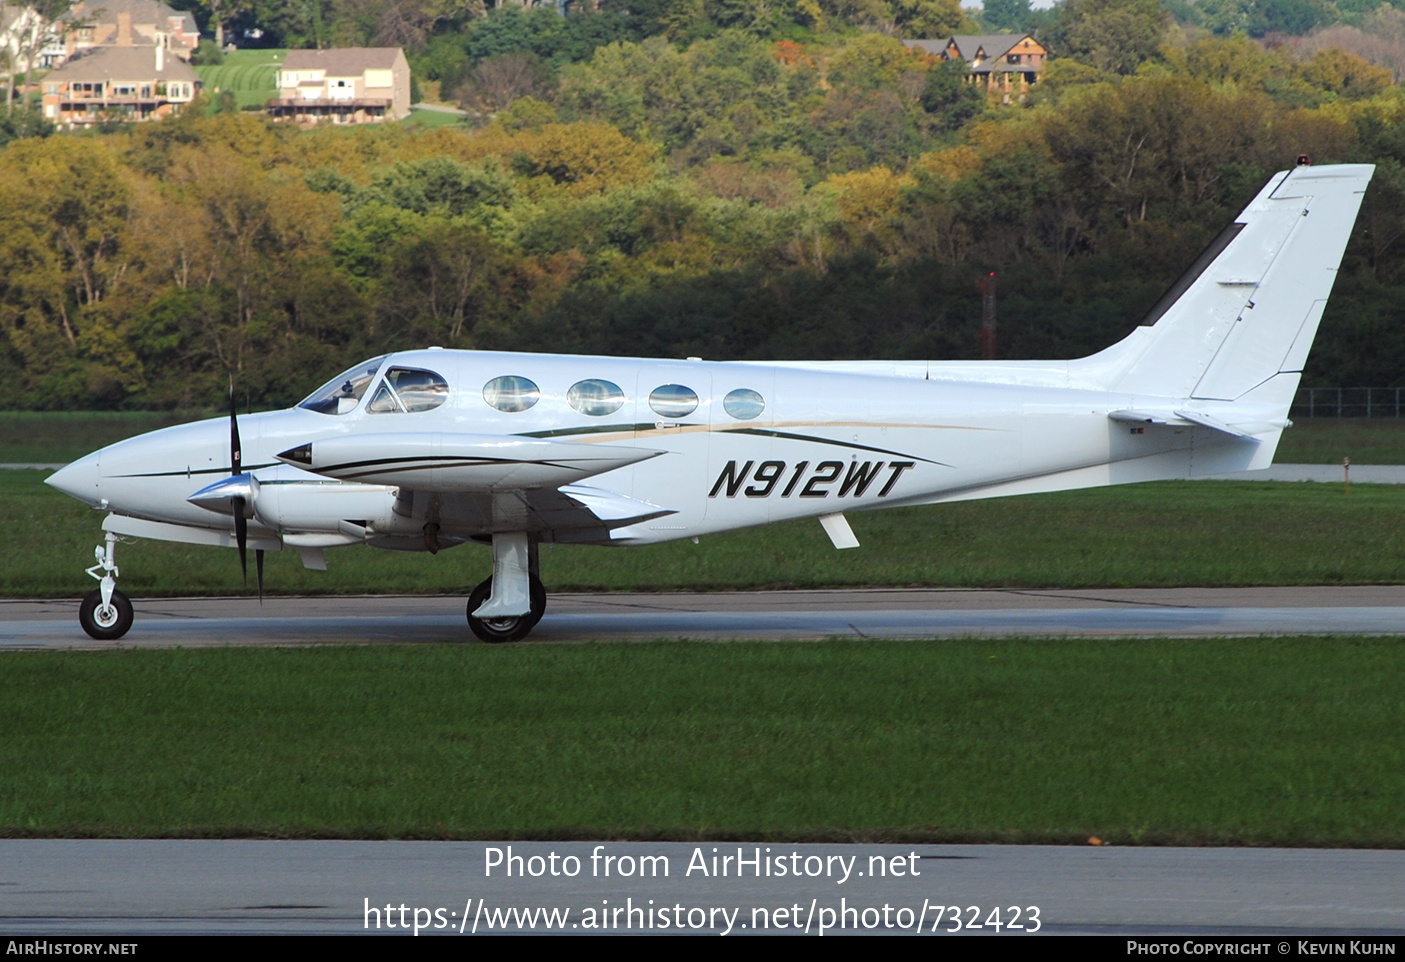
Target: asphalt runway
(78,887)
(773,615)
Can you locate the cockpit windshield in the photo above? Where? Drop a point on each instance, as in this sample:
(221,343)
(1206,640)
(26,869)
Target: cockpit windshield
(343,392)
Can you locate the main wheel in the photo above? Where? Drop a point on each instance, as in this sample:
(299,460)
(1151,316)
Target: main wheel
(105,624)
(505,629)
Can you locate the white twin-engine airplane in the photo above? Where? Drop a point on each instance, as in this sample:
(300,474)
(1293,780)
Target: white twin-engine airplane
(423,450)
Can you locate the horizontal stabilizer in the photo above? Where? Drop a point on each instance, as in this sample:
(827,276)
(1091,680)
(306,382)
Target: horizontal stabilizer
(1182,417)
(459,462)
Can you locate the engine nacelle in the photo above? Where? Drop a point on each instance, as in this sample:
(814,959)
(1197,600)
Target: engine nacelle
(459,462)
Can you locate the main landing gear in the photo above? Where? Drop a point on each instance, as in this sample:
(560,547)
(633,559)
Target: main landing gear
(508,628)
(507,606)
(106,613)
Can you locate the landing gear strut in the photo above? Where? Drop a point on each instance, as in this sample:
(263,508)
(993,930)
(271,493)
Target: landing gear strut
(106,613)
(510,610)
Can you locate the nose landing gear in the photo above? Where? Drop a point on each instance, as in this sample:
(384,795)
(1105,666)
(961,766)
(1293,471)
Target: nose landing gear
(106,613)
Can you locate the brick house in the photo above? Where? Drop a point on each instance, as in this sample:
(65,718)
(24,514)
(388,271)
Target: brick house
(1008,63)
(118,83)
(127,23)
(352,85)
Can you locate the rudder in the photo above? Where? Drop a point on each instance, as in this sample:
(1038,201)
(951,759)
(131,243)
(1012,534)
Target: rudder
(1249,307)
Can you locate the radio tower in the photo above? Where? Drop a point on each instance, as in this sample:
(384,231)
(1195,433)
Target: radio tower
(987,288)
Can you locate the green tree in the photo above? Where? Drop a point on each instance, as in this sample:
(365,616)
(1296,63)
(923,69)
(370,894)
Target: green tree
(929,18)
(1007,16)
(1113,35)
(949,97)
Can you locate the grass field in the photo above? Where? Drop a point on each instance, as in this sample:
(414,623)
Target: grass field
(1269,742)
(62,436)
(57,437)
(252,76)
(432,118)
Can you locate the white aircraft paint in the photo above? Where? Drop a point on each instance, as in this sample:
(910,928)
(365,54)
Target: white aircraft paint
(423,450)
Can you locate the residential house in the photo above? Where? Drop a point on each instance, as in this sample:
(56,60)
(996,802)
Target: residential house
(118,83)
(20,30)
(128,23)
(352,85)
(1008,63)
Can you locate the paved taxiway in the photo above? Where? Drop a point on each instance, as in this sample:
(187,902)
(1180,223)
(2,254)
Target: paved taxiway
(876,613)
(171,886)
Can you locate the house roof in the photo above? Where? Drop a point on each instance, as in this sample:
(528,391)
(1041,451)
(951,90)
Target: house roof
(142,11)
(344,61)
(122,63)
(993,45)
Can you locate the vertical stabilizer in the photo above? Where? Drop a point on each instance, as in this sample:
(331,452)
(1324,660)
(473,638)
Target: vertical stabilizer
(1249,307)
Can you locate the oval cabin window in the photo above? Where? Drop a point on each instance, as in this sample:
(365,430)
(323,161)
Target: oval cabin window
(595,397)
(743,404)
(673,401)
(511,394)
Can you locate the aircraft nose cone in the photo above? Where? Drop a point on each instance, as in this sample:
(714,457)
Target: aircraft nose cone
(78,480)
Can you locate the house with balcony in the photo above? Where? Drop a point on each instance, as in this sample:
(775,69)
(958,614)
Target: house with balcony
(351,85)
(118,83)
(1007,63)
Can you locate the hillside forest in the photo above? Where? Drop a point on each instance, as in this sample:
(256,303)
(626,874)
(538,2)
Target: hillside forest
(729,179)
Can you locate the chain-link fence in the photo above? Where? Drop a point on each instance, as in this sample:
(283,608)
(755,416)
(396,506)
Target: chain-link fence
(1348,402)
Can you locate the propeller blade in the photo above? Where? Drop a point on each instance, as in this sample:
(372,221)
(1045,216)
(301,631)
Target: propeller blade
(258,564)
(236,454)
(241,536)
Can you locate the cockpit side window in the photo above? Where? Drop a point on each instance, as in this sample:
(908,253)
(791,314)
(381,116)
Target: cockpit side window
(343,392)
(408,390)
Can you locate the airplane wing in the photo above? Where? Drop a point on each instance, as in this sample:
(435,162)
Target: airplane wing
(491,483)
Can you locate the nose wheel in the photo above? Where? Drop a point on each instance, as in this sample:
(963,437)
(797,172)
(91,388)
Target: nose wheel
(106,613)
(495,630)
(105,622)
